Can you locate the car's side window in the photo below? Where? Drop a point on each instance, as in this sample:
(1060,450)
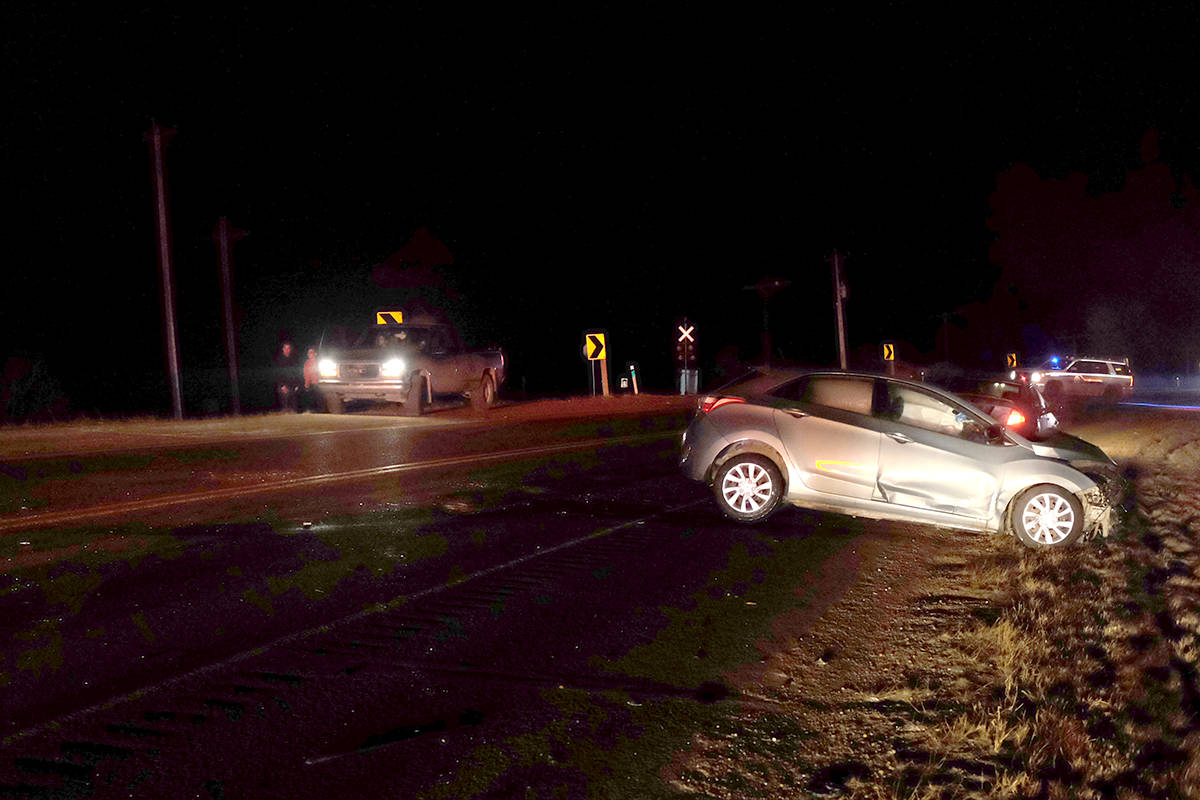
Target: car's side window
(844,393)
(928,412)
(1090,367)
(440,343)
(792,391)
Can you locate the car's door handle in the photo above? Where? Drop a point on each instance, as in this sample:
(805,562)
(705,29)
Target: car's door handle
(899,437)
(795,412)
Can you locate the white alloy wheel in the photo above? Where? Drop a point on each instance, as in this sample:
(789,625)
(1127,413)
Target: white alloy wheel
(1046,516)
(748,487)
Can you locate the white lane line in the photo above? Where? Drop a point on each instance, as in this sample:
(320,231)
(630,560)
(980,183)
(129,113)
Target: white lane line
(43,519)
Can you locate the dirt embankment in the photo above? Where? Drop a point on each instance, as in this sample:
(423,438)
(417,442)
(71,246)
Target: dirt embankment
(972,667)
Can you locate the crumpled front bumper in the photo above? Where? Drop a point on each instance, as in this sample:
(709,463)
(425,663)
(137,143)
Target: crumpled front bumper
(1100,514)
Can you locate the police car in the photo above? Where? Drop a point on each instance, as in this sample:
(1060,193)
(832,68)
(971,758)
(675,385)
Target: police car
(1080,377)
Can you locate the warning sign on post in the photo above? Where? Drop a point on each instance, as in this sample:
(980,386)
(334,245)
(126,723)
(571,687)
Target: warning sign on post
(593,347)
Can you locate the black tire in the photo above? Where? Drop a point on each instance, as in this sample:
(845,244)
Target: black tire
(414,404)
(1046,516)
(334,404)
(748,487)
(484,395)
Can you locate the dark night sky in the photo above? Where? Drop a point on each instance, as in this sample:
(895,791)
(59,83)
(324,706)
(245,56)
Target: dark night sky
(614,168)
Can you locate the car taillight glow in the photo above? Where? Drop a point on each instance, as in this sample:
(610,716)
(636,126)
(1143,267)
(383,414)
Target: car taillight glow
(710,404)
(1015,418)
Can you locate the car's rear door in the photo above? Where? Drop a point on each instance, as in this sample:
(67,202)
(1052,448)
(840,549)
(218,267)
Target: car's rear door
(825,424)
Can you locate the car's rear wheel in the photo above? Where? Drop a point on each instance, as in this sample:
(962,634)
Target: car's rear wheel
(1047,516)
(484,396)
(748,487)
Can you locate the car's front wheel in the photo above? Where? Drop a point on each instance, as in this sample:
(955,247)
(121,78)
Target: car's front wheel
(1047,516)
(414,404)
(748,487)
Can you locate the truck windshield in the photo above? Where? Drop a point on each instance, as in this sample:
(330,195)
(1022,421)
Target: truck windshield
(390,336)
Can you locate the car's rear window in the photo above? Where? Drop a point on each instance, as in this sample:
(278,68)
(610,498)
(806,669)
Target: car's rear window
(1122,369)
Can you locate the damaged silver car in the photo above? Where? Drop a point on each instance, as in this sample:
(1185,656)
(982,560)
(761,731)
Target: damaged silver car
(884,448)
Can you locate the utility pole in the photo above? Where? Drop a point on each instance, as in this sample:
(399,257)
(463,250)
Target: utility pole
(157,137)
(225,238)
(839,295)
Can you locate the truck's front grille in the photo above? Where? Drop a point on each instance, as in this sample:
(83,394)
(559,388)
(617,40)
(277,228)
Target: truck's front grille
(356,371)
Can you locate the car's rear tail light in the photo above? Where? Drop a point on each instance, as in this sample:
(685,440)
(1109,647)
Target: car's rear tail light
(1015,418)
(710,404)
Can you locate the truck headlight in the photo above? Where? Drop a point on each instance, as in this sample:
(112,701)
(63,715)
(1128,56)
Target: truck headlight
(392,368)
(1035,377)
(327,367)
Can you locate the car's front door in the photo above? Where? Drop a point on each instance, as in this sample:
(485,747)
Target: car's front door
(1089,378)
(934,455)
(443,351)
(824,422)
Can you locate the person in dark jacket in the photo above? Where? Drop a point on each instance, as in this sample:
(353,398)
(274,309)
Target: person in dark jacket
(288,377)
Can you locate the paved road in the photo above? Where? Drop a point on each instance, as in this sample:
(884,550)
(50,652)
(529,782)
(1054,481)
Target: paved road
(450,610)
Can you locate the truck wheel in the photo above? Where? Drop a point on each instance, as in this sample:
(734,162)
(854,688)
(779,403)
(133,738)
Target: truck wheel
(414,404)
(484,395)
(334,404)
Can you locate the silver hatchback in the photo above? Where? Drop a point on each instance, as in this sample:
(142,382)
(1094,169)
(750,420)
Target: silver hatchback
(879,447)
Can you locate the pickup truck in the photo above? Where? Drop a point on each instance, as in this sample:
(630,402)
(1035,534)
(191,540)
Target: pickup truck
(408,363)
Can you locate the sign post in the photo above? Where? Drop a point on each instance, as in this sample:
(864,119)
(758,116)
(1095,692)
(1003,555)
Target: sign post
(685,354)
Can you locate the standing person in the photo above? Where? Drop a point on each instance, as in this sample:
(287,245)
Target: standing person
(311,374)
(288,376)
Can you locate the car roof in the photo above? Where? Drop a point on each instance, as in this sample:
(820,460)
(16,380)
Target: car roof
(766,381)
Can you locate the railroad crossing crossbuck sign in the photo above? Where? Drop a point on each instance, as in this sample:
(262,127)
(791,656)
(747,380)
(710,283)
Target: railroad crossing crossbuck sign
(594,347)
(685,332)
